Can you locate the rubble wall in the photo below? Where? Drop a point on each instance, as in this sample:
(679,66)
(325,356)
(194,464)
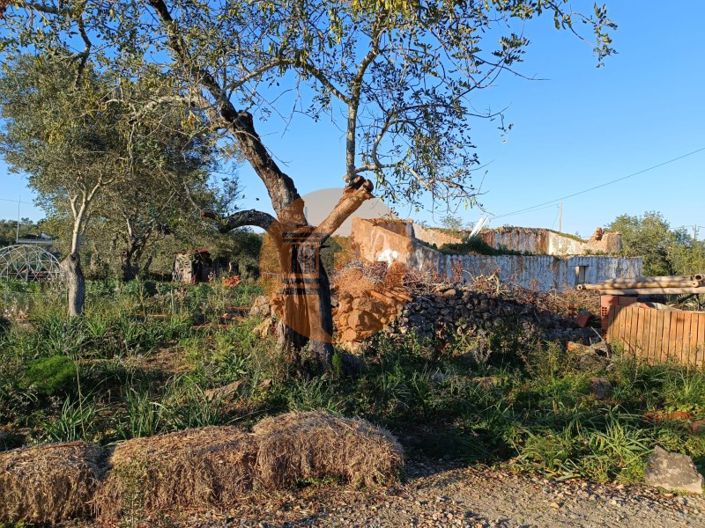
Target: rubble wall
(545,242)
(435,237)
(454,310)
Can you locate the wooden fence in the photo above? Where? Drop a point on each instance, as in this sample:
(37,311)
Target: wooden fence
(658,336)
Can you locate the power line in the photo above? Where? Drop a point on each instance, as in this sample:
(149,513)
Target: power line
(600,186)
(15,201)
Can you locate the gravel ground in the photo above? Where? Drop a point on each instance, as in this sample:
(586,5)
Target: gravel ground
(468,497)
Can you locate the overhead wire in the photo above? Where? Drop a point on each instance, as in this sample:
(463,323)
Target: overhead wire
(599,186)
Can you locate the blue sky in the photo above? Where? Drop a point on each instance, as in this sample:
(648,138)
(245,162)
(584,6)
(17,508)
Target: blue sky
(578,128)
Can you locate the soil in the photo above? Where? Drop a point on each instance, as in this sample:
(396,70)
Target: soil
(466,497)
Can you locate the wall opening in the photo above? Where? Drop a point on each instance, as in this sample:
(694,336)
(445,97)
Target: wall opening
(580,273)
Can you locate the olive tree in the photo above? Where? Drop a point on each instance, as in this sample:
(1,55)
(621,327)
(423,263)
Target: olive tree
(90,154)
(396,75)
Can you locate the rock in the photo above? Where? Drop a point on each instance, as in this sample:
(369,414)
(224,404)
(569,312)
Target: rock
(673,471)
(265,328)
(601,348)
(225,392)
(601,388)
(260,307)
(362,320)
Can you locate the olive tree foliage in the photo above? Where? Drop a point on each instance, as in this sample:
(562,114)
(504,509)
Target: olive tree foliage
(62,142)
(91,158)
(396,76)
(169,153)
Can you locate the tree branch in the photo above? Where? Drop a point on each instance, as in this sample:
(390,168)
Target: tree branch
(285,198)
(250,217)
(353,197)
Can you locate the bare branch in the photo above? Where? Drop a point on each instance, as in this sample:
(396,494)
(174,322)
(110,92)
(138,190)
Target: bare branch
(250,217)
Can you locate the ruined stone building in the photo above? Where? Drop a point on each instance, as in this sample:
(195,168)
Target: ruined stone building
(537,259)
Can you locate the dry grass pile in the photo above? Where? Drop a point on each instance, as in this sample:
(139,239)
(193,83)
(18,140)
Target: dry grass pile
(207,469)
(49,484)
(196,469)
(295,447)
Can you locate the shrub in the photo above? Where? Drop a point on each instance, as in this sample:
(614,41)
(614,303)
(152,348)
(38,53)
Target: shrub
(75,421)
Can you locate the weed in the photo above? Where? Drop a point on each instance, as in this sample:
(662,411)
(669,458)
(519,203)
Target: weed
(75,421)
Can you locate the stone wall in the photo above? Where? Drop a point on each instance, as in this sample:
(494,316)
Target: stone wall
(435,237)
(546,242)
(377,243)
(540,273)
(383,241)
(453,311)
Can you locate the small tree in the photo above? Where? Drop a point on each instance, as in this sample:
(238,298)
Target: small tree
(666,251)
(63,142)
(90,154)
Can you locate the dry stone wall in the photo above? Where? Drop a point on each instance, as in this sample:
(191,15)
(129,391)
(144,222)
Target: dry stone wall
(453,311)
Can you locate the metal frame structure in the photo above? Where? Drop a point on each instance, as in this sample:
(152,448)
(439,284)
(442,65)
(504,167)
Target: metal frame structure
(28,263)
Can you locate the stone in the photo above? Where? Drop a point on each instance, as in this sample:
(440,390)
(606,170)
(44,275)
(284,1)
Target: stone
(601,388)
(698,427)
(363,321)
(260,307)
(265,328)
(673,472)
(226,392)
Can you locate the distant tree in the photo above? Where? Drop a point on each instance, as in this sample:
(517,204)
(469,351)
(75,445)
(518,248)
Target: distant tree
(8,230)
(400,73)
(452,222)
(666,251)
(89,153)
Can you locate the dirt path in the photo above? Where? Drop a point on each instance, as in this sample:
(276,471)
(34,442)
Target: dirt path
(471,497)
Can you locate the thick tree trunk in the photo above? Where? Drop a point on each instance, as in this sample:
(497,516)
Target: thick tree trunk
(127,267)
(308,318)
(306,328)
(75,282)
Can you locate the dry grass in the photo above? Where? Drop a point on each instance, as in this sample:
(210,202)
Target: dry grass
(49,484)
(208,469)
(196,469)
(295,447)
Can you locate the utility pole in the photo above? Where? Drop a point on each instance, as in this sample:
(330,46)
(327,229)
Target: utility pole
(17,233)
(560,218)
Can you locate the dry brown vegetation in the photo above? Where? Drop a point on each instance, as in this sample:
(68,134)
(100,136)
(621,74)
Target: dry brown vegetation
(196,469)
(205,469)
(299,446)
(49,484)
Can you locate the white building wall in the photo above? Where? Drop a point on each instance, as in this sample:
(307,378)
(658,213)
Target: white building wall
(541,273)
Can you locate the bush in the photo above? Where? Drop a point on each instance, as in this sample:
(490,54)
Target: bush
(51,375)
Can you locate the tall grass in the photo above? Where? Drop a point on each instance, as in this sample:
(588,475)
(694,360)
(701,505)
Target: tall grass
(502,398)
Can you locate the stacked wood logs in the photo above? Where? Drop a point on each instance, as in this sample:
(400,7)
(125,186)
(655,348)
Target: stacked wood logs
(669,285)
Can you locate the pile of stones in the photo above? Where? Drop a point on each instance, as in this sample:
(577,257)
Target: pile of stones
(452,310)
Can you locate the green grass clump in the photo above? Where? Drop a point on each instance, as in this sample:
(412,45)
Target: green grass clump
(51,375)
